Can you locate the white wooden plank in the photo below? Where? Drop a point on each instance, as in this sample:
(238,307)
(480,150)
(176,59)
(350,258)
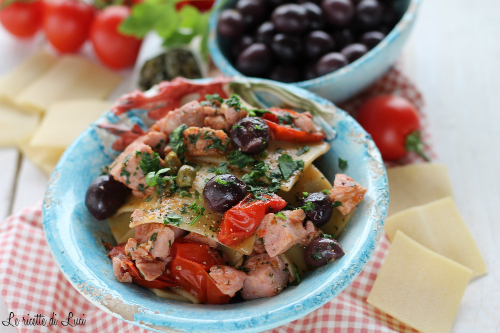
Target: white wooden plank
(31,185)
(453,57)
(9,158)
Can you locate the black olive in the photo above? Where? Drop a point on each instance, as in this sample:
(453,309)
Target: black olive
(321,251)
(223,192)
(323,208)
(104,196)
(250,135)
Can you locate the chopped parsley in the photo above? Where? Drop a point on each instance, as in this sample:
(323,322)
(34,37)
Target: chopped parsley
(317,255)
(124,172)
(174,219)
(257,113)
(328,236)
(235,103)
(185,193)
(297,275)
(237,126)
(236,157)
(148,199)
(221,169)
(285,119)
(153,178)
(303,150)
(177,141)
(337,204)
(200,214)
(148,163)
(280,215)
(217,143)
(308,206)
(141,187)
(212,100)
(288,166)
(243,268)
(153,237)
(219,181)
(184,210)
(325,192)
(193,138)
(342,164)
(305,194)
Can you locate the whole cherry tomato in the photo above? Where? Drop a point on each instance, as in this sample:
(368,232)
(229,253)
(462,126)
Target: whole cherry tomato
(241,221)
(112,48)
(394,125)
(22,19)
(67,23)
(202,5)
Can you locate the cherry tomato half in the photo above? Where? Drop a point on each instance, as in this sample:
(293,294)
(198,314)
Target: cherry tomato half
(112,48)
(67,23)
(202,5)
(394,125)
(241,221)
(22,19)
(190,267)
(286,133)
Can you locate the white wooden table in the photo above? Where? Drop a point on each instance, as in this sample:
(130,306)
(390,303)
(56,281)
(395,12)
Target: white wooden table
(454,58)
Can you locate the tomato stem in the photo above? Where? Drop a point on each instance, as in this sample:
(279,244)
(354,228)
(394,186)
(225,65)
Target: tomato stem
(415,144)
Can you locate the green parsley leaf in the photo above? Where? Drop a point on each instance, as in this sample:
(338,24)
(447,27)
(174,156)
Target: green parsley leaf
(177,141)
(222,169)
(342,164)
(257,113)
(317,255)
(219,181)
(305,194)
(308,206)
(325,192)
(337,204)
(200,214)
(236,157)
(153,237)
(288,166)
(243,268)
(149,163)
(281,215)
(297,275)
(303,150)
(234,102)
(153,178)
(173,219)
(286,119)
(124,172)
(328,236)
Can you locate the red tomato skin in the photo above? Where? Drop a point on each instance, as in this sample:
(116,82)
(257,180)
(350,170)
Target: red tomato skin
(112,48)
(242,220)
(285,133)
(66,24)
(389,119)
(21,19)
(202,5)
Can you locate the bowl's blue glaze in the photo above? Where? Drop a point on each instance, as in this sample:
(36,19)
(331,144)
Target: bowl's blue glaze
(74,238)
(345,82)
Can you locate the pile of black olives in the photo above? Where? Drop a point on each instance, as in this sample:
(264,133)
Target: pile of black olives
(291,41)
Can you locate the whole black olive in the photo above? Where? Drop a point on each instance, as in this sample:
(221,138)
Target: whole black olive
(223,192)
(290,19)
(323,208)
(250,135)
(104,196)
(256,60)
(231,24)
(354,51)
(321,251)
(371,38)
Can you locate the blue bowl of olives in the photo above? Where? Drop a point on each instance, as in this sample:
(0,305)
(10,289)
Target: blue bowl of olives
(334,48)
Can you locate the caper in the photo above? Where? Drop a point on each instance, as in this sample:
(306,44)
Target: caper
(173,162)
(186,176)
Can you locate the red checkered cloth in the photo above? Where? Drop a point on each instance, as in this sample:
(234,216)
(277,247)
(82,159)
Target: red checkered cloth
(31,283)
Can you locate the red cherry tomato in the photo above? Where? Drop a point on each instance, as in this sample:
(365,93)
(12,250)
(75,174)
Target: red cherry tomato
(394,125)
(112,48)
(22,19)
(286,133)
(241,221)
(202,5)
(190,267)
(67,23)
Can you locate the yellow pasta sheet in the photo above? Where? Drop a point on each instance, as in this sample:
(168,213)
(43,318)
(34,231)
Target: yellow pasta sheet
(71,77)
(417,184)
(439,227)
(65,120)
(31,69)
(15,125)
(419,287)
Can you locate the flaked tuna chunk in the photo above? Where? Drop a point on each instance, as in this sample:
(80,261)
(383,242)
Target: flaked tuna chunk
(120,268)
(258,246)
(228,279)
(193,236)
(217,123)
(149,267)
(304,122)
(190,114)
(266,277)
(346,191)
(233,115)
(279,233)
(156,238)
(127,169)
(312,233)
(205,141)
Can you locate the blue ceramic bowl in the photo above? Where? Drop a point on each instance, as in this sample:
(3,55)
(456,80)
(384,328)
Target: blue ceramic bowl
(75,240)
(345,82)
